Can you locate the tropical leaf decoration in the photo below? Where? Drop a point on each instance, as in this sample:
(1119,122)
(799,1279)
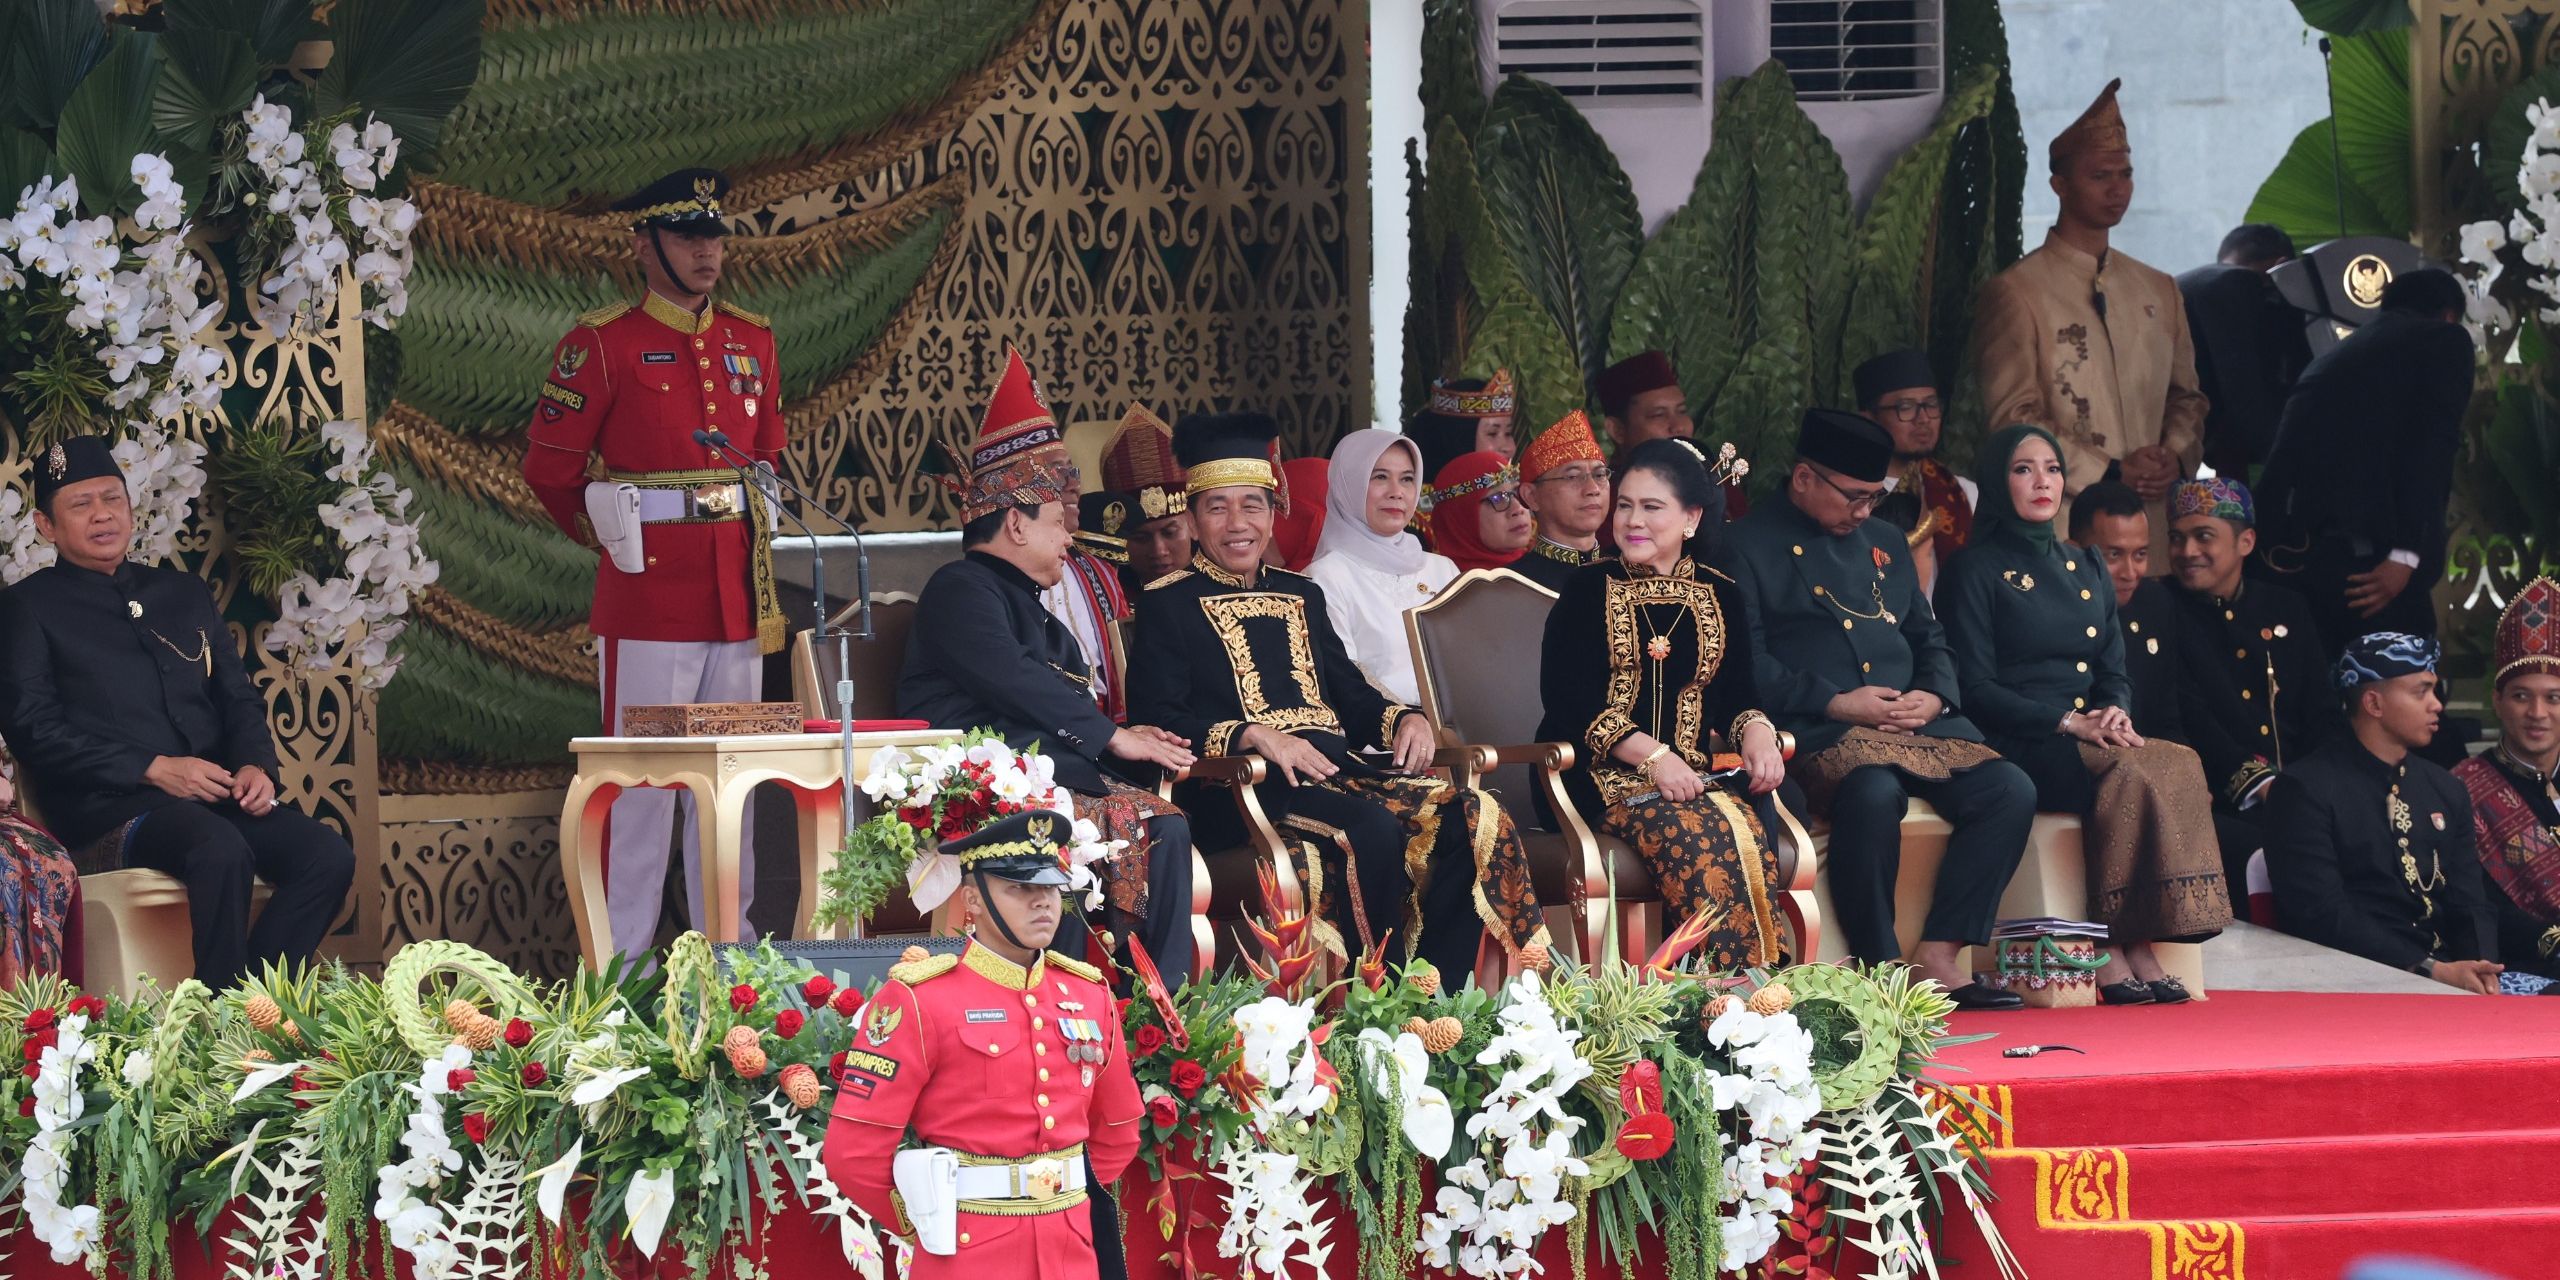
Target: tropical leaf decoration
(1563,208)
(48,48)
(107,121)
(2354,17)
(407,62)
(1764,289)
(2359,183)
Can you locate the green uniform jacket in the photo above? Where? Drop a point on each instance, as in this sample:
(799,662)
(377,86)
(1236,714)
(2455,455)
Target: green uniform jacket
(2035,636)
(1816,626)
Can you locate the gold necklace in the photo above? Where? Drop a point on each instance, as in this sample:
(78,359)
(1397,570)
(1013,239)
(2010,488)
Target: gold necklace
(2402,821)
(1875,590)
(203,656)
(1657,649)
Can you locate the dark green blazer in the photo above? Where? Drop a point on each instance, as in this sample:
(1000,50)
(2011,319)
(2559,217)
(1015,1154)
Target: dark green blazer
(2035,636)
(1817,629)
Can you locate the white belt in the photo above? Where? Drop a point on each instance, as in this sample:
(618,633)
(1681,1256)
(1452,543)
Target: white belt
(701,502)
(1032,1180)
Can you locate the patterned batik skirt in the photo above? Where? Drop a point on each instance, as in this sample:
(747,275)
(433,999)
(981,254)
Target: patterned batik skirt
(1917,754)
(2155,864)
(1122,812)
(36,883)
(1504,898)
(1707,856)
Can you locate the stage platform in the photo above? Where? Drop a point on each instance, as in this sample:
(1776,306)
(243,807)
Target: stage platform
(2270,1135)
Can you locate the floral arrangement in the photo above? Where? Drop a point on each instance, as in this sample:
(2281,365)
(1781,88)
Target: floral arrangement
(344,1119)
(938,793)
(316,214)
(380,565)
(1725,1124)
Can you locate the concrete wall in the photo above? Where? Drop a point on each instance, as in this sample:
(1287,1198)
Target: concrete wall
(2214,91)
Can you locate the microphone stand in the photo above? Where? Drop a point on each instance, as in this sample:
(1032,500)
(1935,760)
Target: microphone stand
(826,626)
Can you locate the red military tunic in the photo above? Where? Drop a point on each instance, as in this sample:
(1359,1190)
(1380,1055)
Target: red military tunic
(970,1052)
(634,384)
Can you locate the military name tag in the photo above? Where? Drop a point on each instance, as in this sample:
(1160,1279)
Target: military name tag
(986,1015)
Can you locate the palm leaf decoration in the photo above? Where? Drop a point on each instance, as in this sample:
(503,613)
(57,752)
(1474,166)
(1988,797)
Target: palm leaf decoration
(1897,242)
(107,121)
(1563,209)
(2366,190)
(406,62)
(1510,329)
(588,110)
(47,48)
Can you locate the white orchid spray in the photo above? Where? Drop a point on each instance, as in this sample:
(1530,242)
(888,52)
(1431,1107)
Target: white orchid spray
(1493,1208)
(322,211)
(70,1232)
(1779,1098)
(385,566)
(2534,231)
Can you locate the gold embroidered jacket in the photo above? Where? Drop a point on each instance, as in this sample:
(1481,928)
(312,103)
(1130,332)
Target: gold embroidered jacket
(1602,683)
(1216,653)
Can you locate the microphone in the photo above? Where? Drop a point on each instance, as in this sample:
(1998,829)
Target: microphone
(714,439)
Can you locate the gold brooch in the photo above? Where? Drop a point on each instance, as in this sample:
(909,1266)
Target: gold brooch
(55,463)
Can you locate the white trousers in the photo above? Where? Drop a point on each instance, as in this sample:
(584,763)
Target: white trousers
(643,673)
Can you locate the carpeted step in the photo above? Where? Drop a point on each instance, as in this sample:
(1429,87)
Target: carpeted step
(2409,1172)
(2516,1244)
(2286,1102)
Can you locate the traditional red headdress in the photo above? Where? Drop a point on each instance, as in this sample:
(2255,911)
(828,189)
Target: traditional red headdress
(1567,441)
(2528,636)
(1140,460)
(1020,458)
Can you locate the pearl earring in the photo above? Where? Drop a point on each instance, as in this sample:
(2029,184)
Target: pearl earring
(1690,532)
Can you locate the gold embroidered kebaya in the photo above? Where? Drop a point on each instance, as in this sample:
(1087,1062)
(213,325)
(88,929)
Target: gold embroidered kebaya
(1228,615)
(1627,604)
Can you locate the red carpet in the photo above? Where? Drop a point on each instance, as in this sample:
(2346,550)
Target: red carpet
(2264,1136)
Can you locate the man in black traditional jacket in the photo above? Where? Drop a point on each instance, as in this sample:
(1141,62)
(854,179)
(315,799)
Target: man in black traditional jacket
(2352,503)
(2110,522)
(2369,847)
(1238,657)
(987,653)
(1849,658)
(131,715)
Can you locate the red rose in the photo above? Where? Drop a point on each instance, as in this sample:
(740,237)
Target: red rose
(37,1021)
(31,1070)
(817,989)
(519,1033)
(475,1126)
(1147,1039)
(846,1003)
(835,1065)
(1163,1112)
(458,1077)
(743,997)
(1188,1076)
(27,1108)
(787,1023)
(534,1074)
(87,1007)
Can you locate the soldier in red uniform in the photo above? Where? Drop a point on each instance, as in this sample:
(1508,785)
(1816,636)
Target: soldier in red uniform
(684,598)
(1006,1062)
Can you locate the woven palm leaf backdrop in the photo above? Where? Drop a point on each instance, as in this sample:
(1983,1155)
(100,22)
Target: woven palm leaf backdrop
(1146,196)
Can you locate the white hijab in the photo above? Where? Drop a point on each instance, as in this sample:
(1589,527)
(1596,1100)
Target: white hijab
(1346,500)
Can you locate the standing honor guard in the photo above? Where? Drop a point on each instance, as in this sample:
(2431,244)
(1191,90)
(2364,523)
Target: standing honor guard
(684,591)
(1006,1061)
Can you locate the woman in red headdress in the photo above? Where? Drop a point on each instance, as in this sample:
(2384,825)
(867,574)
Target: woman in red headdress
(1477,518)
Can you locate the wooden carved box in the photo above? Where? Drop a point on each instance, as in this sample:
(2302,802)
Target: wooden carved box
(711,719)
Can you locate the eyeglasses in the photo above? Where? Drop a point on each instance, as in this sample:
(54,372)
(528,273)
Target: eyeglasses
(1906,410)
(1857,501)
(1501,500)
(1576,476)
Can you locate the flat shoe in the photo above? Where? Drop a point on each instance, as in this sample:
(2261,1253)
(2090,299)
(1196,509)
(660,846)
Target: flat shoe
(1975,997)
(2129,991)
(2168,991)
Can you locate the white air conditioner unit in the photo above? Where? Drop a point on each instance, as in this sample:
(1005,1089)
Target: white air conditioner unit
(1870,73)
(1639,70)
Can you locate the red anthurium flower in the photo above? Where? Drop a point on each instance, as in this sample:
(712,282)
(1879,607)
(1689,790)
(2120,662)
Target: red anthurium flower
(787,1023)
(742,997)
(846,1003)
(1646,1137)
(1640,1088)
(534,1074)
(519,1033)
(817,989)
(476,1127)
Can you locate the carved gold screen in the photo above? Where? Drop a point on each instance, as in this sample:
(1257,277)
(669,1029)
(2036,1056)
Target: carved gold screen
(2464,55)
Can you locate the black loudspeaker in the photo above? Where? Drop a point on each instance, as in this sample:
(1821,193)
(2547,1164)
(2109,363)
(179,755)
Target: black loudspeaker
(848,962)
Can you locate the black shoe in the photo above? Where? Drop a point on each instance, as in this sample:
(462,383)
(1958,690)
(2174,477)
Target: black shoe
(2168,991)
(2129,991)
(1975,997)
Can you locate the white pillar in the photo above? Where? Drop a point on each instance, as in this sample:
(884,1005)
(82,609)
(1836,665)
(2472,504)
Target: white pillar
(1395,117)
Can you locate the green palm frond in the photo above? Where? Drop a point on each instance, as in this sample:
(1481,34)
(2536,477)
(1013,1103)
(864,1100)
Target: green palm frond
(597,107)
(452,703)
(1563,209)
(532,578)
(1897,241)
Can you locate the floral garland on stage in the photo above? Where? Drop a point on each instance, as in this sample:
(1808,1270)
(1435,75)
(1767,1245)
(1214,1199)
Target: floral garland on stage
(469,1122)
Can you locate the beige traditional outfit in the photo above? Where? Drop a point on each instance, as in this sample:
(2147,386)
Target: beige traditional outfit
(2094,349)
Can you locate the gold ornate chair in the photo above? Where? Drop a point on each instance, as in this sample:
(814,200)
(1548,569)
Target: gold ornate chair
(1476,649)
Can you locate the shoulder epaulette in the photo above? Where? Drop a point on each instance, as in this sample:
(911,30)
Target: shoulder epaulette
(750,317)
(1173,577)
(606,314)
(1077,967)
(915,972)
(1286,572)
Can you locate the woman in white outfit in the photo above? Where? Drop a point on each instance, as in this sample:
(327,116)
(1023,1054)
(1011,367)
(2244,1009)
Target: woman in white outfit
(1372,567)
